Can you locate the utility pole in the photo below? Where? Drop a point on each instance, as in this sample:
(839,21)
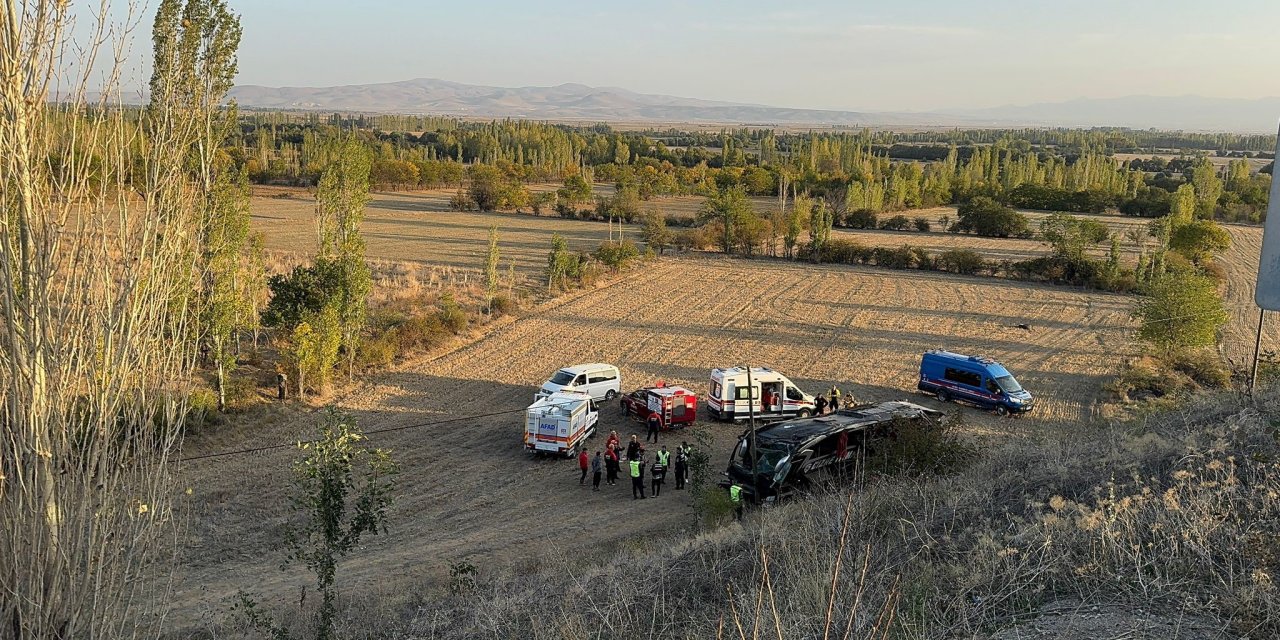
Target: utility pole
(1257,348)
(751,423)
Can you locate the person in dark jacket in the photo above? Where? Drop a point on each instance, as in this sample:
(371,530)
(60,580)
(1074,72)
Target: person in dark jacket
(655,425)
(597,465)
(682,464)
(819,405)
(634,448)
(658,472)
(611,466)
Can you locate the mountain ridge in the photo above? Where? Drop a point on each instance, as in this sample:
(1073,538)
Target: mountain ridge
(575,101)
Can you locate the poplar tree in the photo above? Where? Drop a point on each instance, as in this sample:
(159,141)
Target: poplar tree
(341,196)
(820,221)
(491,269)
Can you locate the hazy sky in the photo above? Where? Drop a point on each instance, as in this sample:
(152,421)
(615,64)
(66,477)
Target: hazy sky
(900,55)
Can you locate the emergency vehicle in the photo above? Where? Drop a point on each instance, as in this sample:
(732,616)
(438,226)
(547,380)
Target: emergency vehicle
(560,423)
(676,406)
(771,395)
(976,379)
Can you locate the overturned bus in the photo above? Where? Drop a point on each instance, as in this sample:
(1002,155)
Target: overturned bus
(797,455)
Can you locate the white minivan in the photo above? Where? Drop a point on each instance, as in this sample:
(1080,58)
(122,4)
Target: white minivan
(602,381)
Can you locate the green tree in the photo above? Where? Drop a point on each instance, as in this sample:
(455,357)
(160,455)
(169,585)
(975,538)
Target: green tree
(1181,309)
(1208,187)
(491,268)
(820,221)
(986,217)
(341,196)
(313,349)
(795,221)
(342,490)
(222,299)
(655,234)
(1183,208)
(1070,236)
(562,265)
(1198,241)
(728,207)
(576,190)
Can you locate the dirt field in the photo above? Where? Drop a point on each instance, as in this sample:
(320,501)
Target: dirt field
(468,491)
(409,226)
(1241,263)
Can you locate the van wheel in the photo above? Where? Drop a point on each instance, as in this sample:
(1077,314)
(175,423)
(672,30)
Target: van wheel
(943,396)
(1002,410)
(610,395)
(803,413)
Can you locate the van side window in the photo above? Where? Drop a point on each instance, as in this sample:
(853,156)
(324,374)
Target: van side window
(741,393)
(963,377)
(992,386)
(794,394)
(581,379)
(602,377)
(715,389)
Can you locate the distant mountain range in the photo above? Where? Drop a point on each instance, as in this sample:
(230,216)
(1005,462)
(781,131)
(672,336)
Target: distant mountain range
(611,104)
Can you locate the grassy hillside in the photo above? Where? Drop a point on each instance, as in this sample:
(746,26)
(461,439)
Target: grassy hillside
(1161,527)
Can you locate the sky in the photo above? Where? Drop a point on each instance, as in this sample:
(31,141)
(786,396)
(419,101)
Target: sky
(906,55)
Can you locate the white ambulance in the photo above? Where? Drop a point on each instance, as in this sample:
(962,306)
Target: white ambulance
(771,395)
(559,423)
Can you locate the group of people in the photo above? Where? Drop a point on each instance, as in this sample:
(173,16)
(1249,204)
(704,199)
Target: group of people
(822,404)
(606,465)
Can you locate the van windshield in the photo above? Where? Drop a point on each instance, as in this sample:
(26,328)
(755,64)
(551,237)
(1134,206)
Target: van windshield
(1008,384)
(562,378)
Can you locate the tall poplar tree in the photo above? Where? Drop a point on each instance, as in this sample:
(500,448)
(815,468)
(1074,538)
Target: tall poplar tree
(341,196)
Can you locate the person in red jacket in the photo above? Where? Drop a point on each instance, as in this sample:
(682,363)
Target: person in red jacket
(611,465)
(584,463)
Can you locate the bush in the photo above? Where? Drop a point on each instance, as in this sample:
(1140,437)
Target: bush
(919,448)
(616,255)
(986,217)
(962,261)
(842,251)
(903,257)
(1204,366)
(306,290)
(861,219)
(896,223)
(450,314)
(1182,309)
(502,305)
(922,224)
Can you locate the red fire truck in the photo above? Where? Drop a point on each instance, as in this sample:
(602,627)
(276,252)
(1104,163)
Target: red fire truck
(676,406)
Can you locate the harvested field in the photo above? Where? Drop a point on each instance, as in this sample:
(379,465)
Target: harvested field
(410,226)
(1241,263)
(468,491)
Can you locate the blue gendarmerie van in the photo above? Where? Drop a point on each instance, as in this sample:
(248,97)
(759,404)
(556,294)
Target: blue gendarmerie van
(976,379)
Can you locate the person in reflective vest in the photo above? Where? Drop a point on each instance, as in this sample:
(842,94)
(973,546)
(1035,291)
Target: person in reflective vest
(835,398)
(735,496)
(637,479)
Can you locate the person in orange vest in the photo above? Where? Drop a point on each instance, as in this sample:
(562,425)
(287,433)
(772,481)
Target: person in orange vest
(584,463)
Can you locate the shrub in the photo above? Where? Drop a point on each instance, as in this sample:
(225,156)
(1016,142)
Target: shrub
(919,447)
(306,290)
(451,315)
(502,305)
(922,224)
(903,257)
(842,251)
(963,261)
(1199,240)
(861,219)
(1204,366)
(616,255)
(896,223)
(986,217)
(1182,309)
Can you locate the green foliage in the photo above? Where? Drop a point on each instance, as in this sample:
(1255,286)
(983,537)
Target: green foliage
(920,447)
(1197,241)
(986,217)
(1182,208)
(491,189)
(491,268)
(820,221)
(729,207)
(1048,198)
(341,196)
(306,290)
(1181,310)
(963,261)
(624,205)
(451,315)
(655,233)
(341,492)
(616,255)
(897,223)
(922,224)
(563,267)
(1208,187)
(861,219)
(1071,236)
(313,349)
(576,190)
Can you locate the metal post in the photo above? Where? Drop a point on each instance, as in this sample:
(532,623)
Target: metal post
(1257,348)
(751,423)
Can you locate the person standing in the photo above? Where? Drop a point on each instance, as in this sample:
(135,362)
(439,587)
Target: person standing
(682,464)
(655,425)
(584,463)
(596,465)
(634,448)
(613,442)
(819,405)
(735,496)
(658,473)
(611,465)
(835,398)
(637,479)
